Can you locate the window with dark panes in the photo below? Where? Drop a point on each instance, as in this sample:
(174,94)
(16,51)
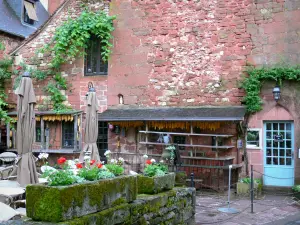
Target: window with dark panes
(94,64)
(179,140)
(102,137)
(67,134)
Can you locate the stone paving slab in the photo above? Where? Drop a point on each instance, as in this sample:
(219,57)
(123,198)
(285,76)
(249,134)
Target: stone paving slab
(267,209)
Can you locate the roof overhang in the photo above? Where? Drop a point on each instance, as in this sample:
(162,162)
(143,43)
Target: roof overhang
(46,113)
(209,113)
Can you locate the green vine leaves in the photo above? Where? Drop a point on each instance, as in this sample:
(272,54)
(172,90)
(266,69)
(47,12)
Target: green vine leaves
(69,42)
(72,37)
(252,84)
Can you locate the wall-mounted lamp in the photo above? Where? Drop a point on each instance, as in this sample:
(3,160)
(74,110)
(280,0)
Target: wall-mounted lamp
(276,93)
(121,99)
(91,89)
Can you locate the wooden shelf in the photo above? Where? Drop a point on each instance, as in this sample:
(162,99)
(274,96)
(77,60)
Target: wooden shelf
(64,151)
(188,145)
(207,158)
(186,134)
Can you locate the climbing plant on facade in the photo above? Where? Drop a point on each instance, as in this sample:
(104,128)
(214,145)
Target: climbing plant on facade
(69,42)
(253,83)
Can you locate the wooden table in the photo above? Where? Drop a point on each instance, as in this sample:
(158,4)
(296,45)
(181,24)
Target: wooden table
(12,191)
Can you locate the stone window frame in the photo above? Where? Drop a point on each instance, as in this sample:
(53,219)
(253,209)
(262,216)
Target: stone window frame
(93,51)
(259,130)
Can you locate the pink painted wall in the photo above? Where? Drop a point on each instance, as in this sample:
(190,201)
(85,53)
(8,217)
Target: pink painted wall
(271,112)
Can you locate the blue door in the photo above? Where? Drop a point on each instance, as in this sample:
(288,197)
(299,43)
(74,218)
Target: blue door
(279,153)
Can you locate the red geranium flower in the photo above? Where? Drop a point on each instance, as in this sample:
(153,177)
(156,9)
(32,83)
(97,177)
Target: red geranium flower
(19,67)
(99,165)
(148,162)
(79,165)
(61,160)
(92,162)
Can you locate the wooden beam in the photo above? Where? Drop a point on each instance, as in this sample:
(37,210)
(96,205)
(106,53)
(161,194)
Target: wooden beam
(75,131)
(42,133)
(80,132)
(187,145)
(7,135)
(185,134)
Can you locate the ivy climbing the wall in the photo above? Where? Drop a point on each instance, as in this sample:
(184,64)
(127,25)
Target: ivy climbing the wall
(253,83)
(69,42)
(5,73)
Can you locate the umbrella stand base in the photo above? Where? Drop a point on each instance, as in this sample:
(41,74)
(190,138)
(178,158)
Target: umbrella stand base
(228,210)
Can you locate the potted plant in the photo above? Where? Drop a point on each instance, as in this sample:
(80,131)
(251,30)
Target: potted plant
(77,189)
(155,178)
(244,186)
(169,153)
(296,191)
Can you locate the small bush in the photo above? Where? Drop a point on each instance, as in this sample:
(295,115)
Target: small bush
(115,169)
(105,174)
(89,174)
(61,178)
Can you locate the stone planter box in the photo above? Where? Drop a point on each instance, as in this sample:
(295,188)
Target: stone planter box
(61,203)
(244,188)
(154,185)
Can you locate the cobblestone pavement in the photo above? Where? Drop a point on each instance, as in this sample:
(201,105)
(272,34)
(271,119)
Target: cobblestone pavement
(268,208)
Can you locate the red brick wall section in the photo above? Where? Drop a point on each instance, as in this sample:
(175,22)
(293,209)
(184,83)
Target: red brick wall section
(179,53)
(10,42)
(53,5)
(73,70)
(275,32)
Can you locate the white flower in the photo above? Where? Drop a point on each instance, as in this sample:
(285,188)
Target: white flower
(153,160)
(43,155)
(121,159)
(86,157)
(107,152)
(112,160)
(76,160)
(145,156)
(161,161)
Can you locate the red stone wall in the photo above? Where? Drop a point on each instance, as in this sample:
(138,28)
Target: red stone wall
(9,41)
(53,5)
(73,70)
(179,53)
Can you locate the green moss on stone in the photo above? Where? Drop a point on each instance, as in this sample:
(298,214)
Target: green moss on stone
(56,204)
(180,178)
(154,185)
(42,203)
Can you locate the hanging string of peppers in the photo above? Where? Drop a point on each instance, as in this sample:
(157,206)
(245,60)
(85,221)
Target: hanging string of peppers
(170,125)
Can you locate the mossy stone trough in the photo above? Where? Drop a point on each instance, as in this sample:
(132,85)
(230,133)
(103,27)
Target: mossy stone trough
(61,203)
(154,185)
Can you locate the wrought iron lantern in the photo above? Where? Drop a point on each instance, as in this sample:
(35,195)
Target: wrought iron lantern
(276,93)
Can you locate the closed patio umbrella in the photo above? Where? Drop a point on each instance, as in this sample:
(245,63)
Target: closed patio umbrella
(91,127)
(26,172)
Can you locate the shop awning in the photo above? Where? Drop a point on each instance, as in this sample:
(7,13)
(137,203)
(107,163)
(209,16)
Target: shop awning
(50,115)
(229,113)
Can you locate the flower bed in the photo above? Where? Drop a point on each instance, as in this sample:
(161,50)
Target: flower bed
(78,188)
(155,178)
(60,203)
